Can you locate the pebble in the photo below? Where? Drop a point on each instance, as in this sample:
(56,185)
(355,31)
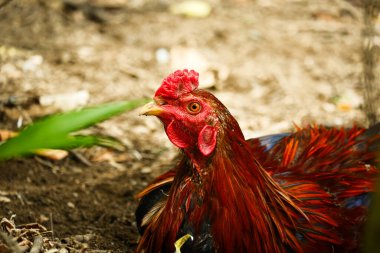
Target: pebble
(66,101)
(191,8)
(4,199)
(70,204)
(31,64)
(10,71)
(146,170)
(162,56)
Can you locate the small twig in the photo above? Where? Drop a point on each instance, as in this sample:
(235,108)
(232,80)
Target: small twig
(5,3)
(37,244)
(51,225)
(81,158)
(133,72)
(19,196)
(25,115)
(45,163)
(11,243)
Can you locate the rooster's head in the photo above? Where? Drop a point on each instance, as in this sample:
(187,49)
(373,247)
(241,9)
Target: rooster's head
(191,117)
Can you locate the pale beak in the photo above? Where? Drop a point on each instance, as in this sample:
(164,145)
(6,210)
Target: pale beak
(151,109)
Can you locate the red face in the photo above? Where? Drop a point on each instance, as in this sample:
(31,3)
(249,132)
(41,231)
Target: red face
(189,119)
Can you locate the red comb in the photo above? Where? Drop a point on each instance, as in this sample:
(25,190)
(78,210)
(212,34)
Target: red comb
(178,83)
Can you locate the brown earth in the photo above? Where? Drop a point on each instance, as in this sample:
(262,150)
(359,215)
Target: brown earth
(272,62)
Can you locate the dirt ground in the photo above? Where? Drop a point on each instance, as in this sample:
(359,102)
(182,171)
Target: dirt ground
(272,62)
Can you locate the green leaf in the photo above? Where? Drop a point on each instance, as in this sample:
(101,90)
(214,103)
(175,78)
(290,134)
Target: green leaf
(54,132)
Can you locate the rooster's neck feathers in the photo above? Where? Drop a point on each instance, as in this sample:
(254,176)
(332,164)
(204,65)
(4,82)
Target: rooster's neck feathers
(224,184)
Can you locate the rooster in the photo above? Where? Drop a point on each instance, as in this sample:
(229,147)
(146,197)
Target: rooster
(306,191)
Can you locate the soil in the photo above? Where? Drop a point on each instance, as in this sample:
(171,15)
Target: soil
(274,63)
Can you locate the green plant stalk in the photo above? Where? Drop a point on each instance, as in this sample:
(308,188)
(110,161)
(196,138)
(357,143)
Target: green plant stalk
(55,132)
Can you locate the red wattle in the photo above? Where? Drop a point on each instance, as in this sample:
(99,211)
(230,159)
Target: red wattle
(177,135)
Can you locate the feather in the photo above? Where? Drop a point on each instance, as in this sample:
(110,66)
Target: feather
(306,191)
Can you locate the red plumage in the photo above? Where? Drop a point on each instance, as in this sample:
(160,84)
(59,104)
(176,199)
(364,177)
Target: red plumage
(306,191)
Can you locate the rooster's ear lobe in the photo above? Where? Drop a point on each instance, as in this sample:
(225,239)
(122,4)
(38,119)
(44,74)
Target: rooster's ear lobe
(207,140)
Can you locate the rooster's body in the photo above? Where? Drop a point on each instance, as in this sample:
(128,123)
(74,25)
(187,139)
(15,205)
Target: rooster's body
(306,191)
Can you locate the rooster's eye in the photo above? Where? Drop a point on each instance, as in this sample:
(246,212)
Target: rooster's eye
(194,107)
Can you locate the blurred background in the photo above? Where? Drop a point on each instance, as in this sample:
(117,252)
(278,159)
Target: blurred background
(273,63)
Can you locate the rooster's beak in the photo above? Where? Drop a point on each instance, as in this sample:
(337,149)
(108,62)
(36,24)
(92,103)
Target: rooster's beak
(151,109)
